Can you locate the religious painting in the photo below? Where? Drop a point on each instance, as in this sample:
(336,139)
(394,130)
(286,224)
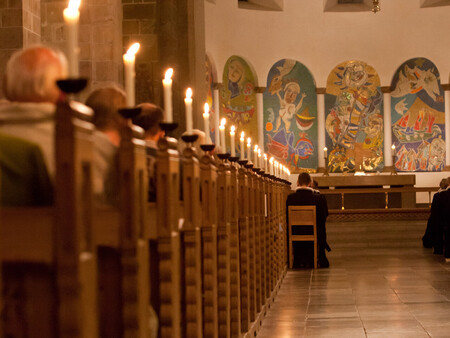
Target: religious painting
(418,117)
(290,116)
(354,119)
(238,98)
(211,78)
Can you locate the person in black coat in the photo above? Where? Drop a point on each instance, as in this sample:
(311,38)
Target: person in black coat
(305,195)
(434,234)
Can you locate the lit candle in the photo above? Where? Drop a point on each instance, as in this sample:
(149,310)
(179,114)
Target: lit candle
(206,123)
(71,18)
(325,152)
(128,61)
(188,107)
(249,148)
(271,165)
(259,158)
(167,85)
(242,139)
(393,150)
(232,134)
(265,163)
(255,156)
(223,145)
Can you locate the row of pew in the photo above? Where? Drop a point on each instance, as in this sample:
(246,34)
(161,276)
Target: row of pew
(208,264)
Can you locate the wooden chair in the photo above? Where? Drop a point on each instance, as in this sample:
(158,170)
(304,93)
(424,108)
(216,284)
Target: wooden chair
(302,216)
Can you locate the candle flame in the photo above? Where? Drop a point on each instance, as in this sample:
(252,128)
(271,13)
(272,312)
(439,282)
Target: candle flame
(206,109)
(271,160)
(133,49)
(232,129)
(242,136)
(168,74)
(223,122)
(256,148)
(265,156)
(259,152)
(249,141)
(325,149)
(74,5)
(393,146)
(189,93)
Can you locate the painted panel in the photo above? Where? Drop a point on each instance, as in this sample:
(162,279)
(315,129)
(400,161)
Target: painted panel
(417,113)
(211,78)
(354,118)
(238,98)
(290,116)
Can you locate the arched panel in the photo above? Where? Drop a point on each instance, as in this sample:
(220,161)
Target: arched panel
(354,118)
(290,116)
(238,98)
(418,117)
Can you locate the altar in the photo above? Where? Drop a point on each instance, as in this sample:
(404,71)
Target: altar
(365,199)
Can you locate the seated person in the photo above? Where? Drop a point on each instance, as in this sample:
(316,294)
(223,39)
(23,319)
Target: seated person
(149,119)
(305,195)
(24,178)
(105,102)
(30,88)
(434,232)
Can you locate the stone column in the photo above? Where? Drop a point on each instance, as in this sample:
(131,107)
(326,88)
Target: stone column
(321,127)
(387,129)
(182,47)
(447,129)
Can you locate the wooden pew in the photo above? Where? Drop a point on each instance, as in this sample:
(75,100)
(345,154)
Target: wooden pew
(47,254)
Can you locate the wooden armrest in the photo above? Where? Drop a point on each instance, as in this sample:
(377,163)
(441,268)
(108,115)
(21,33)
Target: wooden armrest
(105,227)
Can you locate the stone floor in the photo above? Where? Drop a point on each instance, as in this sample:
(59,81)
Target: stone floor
(381,283)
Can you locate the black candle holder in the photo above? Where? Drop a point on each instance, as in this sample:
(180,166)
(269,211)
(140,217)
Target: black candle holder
(129,113)
(233,159)
(242,162)
(168,127)
(189,138)
(249,165)
(72,85)
(223,156)
(207,147)
(266,175)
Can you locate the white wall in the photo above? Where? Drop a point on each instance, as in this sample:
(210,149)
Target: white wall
(321,40)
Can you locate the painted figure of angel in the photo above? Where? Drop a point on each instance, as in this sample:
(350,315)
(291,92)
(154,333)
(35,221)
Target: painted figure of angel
(287,105)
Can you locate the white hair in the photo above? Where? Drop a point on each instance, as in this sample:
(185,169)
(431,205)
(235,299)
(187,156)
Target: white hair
(31,74)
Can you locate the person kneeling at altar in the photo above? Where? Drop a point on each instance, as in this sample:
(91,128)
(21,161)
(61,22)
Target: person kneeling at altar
(105,102)
(27,125)
(149,119)
(306,195)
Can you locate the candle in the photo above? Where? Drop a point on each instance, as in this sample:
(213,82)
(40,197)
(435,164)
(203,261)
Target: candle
(232,133)
(271,165)
(128,61)
(71,18)
(167,85)
(242,139)
(325,152)
(255,156)
(249,147)
(259,158)
(223,145)
(188,107)
(206,123)
(393,150)
(265,163)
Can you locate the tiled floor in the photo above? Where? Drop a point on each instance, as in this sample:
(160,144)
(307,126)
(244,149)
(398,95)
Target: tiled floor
(381,283)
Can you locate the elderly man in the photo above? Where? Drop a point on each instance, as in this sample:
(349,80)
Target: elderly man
(27,126)
(305,195)
(32,93)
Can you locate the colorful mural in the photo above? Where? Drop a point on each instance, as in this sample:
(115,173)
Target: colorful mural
(210,80)
(238,98)
(417,112)
(354,118)
(290,116)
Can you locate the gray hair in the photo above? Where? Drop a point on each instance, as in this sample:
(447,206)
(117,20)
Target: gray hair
(31,74)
